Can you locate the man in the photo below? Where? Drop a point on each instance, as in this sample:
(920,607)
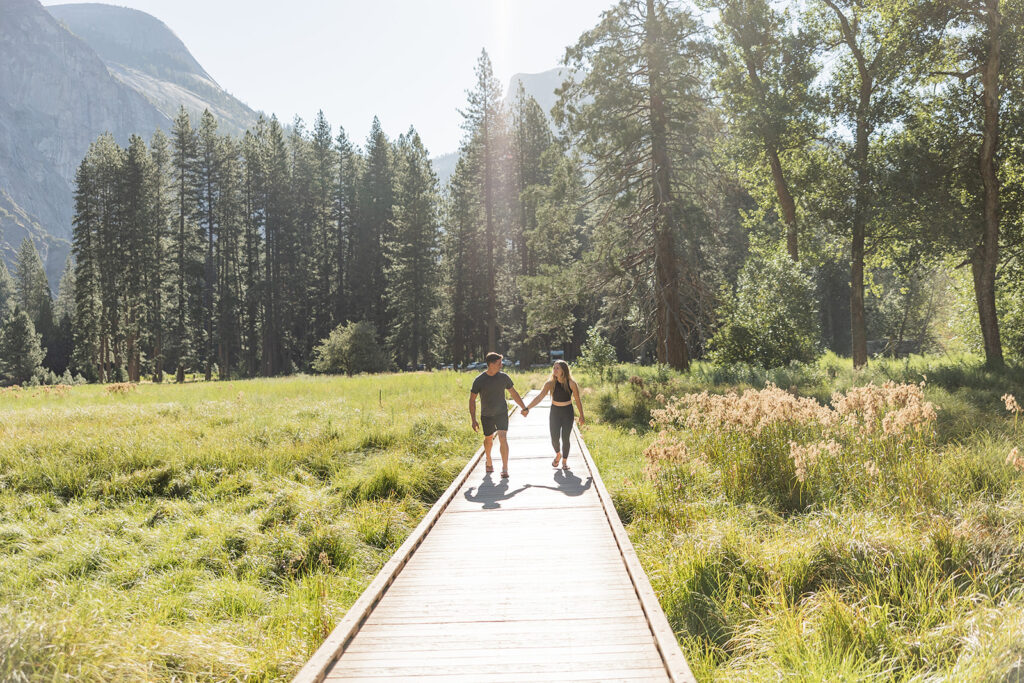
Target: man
(491,385)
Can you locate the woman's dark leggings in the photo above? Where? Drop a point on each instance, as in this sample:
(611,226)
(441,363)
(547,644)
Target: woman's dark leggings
(560,422)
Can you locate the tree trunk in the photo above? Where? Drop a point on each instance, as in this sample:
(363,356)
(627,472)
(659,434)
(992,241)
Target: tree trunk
(985,257)
(671,339)
(858,334)
(785,201)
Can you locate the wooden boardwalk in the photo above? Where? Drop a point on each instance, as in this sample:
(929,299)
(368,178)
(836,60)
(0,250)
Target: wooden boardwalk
(530,578)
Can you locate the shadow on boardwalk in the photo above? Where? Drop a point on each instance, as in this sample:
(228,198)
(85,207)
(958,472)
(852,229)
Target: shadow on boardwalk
(491,494)
(567,483)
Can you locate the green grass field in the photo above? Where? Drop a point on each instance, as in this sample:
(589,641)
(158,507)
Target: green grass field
(209,531)
(217,531)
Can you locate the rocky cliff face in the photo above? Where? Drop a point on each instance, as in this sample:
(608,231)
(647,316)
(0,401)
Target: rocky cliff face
(69,73)
(144,54)
(56,97)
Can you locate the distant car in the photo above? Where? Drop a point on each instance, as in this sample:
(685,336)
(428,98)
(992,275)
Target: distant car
(478,365)
(506,363)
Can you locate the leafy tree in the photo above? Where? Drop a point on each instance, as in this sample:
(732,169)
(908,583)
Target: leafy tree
(869,89)
(20,352)
(767,70)
(771,319)
(351,348)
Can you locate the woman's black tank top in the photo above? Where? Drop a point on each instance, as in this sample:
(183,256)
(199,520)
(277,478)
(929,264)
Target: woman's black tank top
(560,393)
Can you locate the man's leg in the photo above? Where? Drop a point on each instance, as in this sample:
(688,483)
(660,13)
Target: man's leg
(488,442)
(503,446)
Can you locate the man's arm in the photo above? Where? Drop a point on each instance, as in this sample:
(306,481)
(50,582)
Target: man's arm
(472,411)
(518,400)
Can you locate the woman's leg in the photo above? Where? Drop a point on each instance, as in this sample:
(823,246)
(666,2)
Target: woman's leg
(554,426)
(567,416)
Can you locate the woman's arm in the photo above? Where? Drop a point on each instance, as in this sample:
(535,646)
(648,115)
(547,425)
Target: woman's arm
(539,397)
(576,395)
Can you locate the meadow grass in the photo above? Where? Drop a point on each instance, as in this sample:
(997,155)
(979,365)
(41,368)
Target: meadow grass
(911,568)
(218,531)
(209,531)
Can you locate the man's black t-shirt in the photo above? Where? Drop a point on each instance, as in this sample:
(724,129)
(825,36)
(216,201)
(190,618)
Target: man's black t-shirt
(491,389)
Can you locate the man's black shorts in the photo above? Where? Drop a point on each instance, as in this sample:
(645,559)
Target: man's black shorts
(493,423)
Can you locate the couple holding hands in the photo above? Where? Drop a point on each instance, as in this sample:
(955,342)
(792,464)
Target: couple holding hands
(491,385)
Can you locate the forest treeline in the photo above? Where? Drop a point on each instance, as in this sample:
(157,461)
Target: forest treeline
(745,180)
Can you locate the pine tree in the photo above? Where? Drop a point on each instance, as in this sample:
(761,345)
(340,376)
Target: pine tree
(370,235)
(208,170)
(86,355)
(20,352)
(413,254)
(484,123)
(186,273)
(135,241)
(530,137)
(31,285)
(325,235)
(229,270)
(253,198)
(276,208)
(157,260)
(636,113)
(8,296)
(346,211)
(462,265)
(33,296)
(60,355)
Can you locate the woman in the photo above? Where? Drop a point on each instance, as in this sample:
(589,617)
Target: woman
(563,390)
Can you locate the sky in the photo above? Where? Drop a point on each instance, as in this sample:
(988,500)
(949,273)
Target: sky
(409,62)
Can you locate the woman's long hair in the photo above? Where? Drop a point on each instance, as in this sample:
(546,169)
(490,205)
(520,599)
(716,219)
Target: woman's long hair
(565,374)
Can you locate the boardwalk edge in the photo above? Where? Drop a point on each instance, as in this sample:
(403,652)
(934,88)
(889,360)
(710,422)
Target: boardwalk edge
(316,668)
(664,637)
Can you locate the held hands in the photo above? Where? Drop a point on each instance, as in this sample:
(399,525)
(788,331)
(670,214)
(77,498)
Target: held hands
(524,411)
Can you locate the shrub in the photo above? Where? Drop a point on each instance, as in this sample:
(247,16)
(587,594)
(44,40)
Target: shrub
(771,319)
(597,354)
(351,349)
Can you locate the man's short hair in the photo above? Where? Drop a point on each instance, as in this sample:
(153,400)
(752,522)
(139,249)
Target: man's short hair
(493,357)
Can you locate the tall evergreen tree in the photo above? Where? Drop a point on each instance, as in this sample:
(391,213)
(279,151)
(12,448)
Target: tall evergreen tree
(372,232)
(530,137)
(277,345)
(8,295)
(158,264)
(253,198)
(484,122)
(637,113)
(186,248)
(31,286)
(325,237)
(346,211)
(20,352)
(413,253)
